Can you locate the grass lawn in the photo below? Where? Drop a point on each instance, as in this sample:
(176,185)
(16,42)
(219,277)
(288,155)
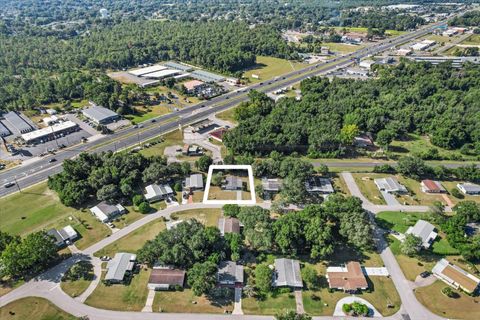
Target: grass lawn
(38,208)
(416,144)
(339,184)
(342,47)
(7,285)
(449,185)
(368,188)
(418,197)
(122,297)
(270,67)
(183,301)
(227,115)
(473,39)
(208,217)
(391,33)
(40,308)
(271,305)
(134,240)
(169,139)
(216,193)
(462,307)
(146,113)
(77,287)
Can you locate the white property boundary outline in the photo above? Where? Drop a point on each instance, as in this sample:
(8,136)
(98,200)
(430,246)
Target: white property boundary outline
(230,167)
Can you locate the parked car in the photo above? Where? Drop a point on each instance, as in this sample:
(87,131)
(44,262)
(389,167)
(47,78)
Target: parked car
(424,274)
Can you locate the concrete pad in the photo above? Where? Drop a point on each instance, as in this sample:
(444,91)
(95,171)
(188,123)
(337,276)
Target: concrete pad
(237,307)
(149,302)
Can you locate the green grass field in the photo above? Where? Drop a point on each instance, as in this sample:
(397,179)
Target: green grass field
(33,308)
(270,67)
(474,39)
(392,33)
(169,139)
(186,302)
(461,307)
(208,217)
(144,114)
(271,305)
(38,208)
(122,297)
(227,115)
(77,287)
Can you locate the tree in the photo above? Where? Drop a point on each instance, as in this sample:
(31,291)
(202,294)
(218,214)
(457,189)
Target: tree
(108,193)
(231,210)
(6,239)
(144,207)
(292,315)
(411,245)
(310,277)
(289,233)
(257,227)
(384,138)
(348,133)
(202,277)
(448,292)
(413,167)
(263,278)
(156,172)
(80,270)
(137,199)
(203,163)
(217,179)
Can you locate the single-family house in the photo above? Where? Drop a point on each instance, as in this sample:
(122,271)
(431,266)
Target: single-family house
(349,278)
(468,188)
(63,236)
(271,185)
(455,276)
(363,141)
(390,185)
(287,273)
(228,225)
(431,186)
(105,212)
(164,278)
(155,192)
(425,231)
(218,134)
(193,182)
(319,184)
(230,274)
(232,183)
(121,265)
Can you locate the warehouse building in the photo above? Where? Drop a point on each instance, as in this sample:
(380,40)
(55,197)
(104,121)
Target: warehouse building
(56,130)
(4,131)
(16,123)
(100,115)
(178,66)
(206,76)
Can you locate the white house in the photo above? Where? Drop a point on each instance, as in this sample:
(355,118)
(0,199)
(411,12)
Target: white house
(425,231)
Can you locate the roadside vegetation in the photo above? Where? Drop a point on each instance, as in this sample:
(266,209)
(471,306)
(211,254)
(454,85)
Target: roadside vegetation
(42,309)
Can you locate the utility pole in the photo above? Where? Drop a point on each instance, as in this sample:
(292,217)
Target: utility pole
(16,183)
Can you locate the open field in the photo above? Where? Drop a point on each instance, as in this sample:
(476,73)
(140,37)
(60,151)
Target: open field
(368,188)
(77,287)
(342,47)
(474,39)
(169,139)
(271,305)
(123,297)
(414,144)
(462,307)
(40,308)
(183,301)
(38,208)
(227,115)
(134,240)
(392,33)
(270,67)
(208,217)
(146,113)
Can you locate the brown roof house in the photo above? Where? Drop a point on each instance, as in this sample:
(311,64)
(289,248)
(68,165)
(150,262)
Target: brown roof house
(349,278)
(455,276)
(163,278)
(430,186)
(228,225)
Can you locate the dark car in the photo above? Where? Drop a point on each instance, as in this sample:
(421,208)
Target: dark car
(154,120)
(424,274)
(52,160)
(9,184)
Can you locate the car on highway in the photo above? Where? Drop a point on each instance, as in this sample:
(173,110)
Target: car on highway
(52,160)
(9,184)
(154,120)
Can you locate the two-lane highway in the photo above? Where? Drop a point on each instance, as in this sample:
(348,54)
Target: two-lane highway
(37,171)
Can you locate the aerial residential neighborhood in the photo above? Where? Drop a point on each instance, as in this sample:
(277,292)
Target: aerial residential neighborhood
(253,159)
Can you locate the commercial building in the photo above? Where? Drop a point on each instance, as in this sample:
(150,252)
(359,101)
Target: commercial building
(357,72)
(56,130)
(194,86)
(349,278)
(100,115)
(457,62)
(319,184)
(155,192)
(120,266)
(105,212)
(48,121)
(232,183)
(218,134)
(63,236)
(206,76)
(230,274)
(143,71)
(164,278)
(425,231)
(430,186)
(404,52)
(366,64)
(390,185)
(228,225)
(3,130)
(194,182)
(162,74)
(467,188)
(423,45)
(16,124)
(287,273)
(178,66)
(455,276)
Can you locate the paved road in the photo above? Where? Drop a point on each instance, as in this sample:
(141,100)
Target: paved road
(373,163)
(34,172)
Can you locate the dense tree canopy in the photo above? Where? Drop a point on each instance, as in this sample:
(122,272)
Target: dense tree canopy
(439,101)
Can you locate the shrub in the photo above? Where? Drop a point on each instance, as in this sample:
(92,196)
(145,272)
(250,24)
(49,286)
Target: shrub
(178,186)
(346,308)
(456,193)
(137,199)
(448,292)
(144,207)
(384,168)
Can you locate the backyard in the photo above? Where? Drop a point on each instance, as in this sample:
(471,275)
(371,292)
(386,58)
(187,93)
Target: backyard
(186,302)
(460,307)
(41,308)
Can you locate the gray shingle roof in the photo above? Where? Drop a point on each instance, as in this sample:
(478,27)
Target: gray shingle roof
(230,273)
(194,181)
(287,273)
(119,265)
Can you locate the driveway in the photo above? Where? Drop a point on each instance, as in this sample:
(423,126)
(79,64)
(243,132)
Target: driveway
(237,307)
(390,199)
(299,301)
